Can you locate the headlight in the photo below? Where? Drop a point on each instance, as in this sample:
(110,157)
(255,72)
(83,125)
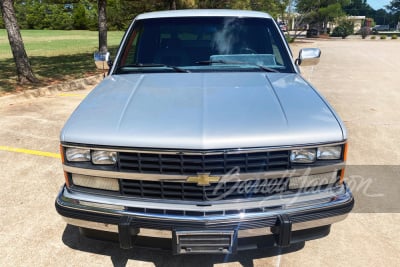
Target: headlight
(329,152)
(305,155)
(104,157)
(77,154)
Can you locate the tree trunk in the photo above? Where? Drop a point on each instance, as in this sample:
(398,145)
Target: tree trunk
(102,4)
(325,26)
(172,5)
(24,70)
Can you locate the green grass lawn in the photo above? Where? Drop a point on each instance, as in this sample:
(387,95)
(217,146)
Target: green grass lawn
(55,56)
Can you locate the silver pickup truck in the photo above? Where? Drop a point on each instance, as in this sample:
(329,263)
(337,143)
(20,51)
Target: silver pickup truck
(205,133)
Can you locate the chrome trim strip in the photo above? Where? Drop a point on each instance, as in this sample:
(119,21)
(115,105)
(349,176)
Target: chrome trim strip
(154,232)
(230,177)
(290,204)
(201,152)
(242,233)
(92,225)
(319,222)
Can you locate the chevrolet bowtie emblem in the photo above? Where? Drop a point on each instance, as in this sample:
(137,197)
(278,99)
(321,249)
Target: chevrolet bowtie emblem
(203,179)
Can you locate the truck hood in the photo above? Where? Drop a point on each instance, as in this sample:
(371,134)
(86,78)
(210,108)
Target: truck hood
(203,111)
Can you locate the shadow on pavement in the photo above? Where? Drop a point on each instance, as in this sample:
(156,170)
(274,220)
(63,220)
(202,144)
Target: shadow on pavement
(119,257)
(50,69)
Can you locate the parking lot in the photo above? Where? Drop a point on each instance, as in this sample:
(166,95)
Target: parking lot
(360,78)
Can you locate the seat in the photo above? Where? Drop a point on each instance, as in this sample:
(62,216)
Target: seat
(171,53)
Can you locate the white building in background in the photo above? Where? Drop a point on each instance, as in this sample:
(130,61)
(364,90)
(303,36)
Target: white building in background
(294,20)
(358,22)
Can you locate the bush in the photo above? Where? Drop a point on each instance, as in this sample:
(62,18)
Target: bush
(394,36)
(289,39)
(312,33)
(373,37)
(365,31)
(344,29)
(340,31)
(383,37)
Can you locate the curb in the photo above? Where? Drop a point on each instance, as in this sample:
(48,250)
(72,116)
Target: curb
(51,90)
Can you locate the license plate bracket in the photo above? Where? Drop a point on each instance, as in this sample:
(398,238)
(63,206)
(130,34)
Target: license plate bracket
(204,242)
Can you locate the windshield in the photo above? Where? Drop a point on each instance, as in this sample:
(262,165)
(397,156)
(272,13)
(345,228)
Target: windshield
(198,44)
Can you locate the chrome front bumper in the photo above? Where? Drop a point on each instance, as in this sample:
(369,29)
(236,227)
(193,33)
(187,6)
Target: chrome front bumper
(250,218)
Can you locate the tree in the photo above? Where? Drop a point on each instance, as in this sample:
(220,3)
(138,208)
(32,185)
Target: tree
(394,6)
(282,5)
(24,70)
(382,17)
(172,4)
(322,11)
(359,8)
(102,5)
(79,17)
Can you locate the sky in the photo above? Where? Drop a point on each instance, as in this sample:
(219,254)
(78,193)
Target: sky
(377,4)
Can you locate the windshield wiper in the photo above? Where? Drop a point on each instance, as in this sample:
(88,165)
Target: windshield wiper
(153,65)
(227,62)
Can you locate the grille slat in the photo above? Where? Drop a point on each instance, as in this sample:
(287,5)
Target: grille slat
(222,163)
(215,191)
(191,165)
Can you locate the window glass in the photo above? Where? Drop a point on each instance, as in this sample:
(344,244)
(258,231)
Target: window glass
(204,44)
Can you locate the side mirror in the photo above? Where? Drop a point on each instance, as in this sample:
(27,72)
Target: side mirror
(308,56)
(101,60)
